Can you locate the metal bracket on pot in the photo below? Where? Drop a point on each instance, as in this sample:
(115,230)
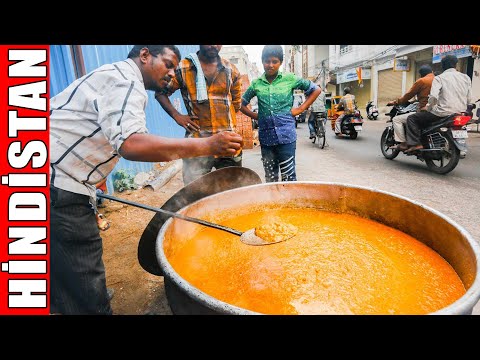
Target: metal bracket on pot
(212,183)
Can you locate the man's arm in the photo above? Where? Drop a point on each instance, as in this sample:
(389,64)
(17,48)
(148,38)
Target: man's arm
(186,121)
(236,89)
(469,92)
(152,148)
(246,98)
(414,90)
(127,132)
(434,93)
(244,109)
(308,101)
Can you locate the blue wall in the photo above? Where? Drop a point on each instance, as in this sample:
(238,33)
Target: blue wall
(158,121)
(61,68)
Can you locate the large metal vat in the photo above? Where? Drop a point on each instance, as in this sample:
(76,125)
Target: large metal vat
(425,224)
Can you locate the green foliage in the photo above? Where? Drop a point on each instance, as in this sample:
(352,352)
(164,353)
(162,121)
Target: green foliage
(123,180)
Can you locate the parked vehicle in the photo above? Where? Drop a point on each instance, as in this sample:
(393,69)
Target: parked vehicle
(444,141)
(477,120)
(351,124)
(332,104)
(299,99)
(255,121)
(372,111)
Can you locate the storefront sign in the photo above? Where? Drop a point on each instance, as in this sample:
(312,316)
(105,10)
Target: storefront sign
(459,51)
(352,75)
(401,65)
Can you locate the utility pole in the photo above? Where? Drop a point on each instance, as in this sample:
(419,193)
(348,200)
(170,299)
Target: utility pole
(322,74)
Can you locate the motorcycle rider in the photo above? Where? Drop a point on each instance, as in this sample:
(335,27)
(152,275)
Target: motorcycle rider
(318,110)
(421,88)
(450,93)
(348,104)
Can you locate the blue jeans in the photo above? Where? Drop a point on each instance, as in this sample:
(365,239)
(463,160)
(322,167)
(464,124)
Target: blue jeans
(279,157)
(311,121)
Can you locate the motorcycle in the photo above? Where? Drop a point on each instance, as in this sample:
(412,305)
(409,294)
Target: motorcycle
(372,111)
(351,124)
(477,121)
(444,141)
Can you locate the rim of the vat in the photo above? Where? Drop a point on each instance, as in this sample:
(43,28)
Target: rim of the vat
(467,301)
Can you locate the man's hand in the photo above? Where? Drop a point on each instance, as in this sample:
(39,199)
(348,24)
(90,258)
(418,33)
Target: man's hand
(225,143)
(188,122)
(296,111)
(391,103)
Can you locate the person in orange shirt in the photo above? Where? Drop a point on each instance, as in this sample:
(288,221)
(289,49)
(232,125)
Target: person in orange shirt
(211,89)
(421,88)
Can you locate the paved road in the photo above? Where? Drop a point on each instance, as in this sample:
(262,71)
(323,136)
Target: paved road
(360,162)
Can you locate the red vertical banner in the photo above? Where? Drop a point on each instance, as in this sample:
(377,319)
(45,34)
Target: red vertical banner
(24,186)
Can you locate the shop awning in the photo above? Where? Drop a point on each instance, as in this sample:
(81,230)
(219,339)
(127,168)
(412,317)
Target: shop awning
(408,49)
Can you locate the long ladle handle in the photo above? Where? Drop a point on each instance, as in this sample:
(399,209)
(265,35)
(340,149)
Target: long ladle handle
(174,214)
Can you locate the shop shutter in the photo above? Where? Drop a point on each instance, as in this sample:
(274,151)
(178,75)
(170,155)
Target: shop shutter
(389,86)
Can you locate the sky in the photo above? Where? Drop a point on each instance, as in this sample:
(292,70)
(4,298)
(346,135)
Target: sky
(255,54)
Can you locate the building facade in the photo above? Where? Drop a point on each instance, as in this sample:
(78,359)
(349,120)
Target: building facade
(385,72)
(237,56)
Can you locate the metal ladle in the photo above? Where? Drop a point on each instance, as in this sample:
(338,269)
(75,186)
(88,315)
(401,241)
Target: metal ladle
(247,237)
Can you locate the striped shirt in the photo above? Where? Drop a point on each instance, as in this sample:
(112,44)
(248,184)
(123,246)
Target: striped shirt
(276,124)
(224,96)
(90,120)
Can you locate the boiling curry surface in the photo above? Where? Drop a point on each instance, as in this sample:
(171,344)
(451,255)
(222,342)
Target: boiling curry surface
(336,264)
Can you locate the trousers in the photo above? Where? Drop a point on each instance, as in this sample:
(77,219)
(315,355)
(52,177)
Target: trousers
(279,158)
(78,285)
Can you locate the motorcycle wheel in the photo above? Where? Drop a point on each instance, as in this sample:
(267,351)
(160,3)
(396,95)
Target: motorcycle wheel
(386,141)
(353,135)
(449,160)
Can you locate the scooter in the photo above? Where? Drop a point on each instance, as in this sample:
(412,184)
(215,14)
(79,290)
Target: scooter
(444,141)
(351,124)
(372,111)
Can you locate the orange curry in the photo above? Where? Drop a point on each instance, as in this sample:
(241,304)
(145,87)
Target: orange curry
(336,264)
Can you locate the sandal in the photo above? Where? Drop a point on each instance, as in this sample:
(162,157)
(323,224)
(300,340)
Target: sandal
(102,223)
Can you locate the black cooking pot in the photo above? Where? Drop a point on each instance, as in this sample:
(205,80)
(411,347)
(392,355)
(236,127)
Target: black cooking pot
(212,183)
